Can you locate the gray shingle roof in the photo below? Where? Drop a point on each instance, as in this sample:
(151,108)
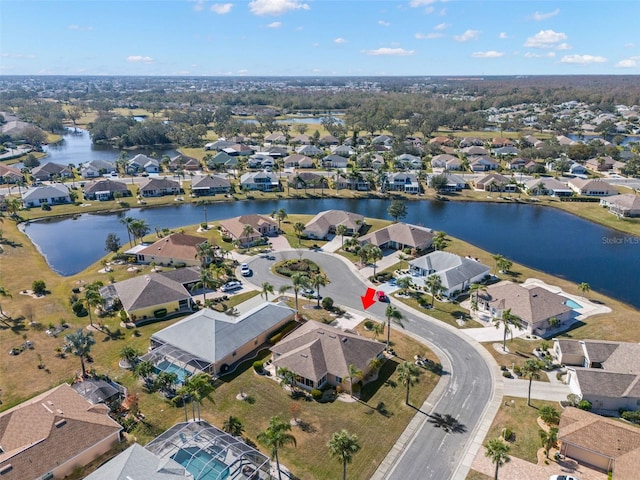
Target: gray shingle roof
(452,269)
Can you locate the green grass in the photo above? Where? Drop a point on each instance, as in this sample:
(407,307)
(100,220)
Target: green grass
(474,475)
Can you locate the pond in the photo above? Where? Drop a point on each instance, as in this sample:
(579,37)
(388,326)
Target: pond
(542,238)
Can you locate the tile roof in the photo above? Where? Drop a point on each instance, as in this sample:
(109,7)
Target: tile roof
(401,233)
(235,226)
(42,433)
(178,246)
(325,221)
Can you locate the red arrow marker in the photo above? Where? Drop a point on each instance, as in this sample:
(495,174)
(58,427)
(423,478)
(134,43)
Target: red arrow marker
(368,299)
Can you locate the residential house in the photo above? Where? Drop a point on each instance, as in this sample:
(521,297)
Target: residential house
(321,355)
(327,141)
(301,139)
(534,305)
(352,182)
(298,161)
(174,249)
(16,128)
(54,434)
(606,444)
(592,188)
(239,150)
(384,140)
(517,163)
(402,182)
(565,141)
(204,185)
(547,186)
(106,189)
(455,183)
(530,140)
(277,152)
(260,160)
(446,161)
(326,222)
(276,137)
(219,145)
(141,163)
(306,180)
(343,150)
(506,151)
(50,170)
(399,236)
(472,142)
(262,226)
(334,161)
(625,205)
(158,187)
(54,194)
(494,182)
(183,162)
(309,150)
(263,181)
(482,164)
(456,273)
(222,160)
(441,140)
(213,341)
(407,160)
(155,296)
(475,150)
(96,168)
(499,142)
(9,175)
(604,164)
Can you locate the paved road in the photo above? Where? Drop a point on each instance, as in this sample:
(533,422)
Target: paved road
(430,454)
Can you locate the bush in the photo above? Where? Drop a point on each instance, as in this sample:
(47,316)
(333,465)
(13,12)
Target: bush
(258,366)
(517,370)
(368,324)
(316,394)
(632,416)
(275,338)
(507,434)
(78,309)
(327,303)
(39,287)
(507,374)
(585,405)
(281,332)
(160,313)
(46,207)
(289,267)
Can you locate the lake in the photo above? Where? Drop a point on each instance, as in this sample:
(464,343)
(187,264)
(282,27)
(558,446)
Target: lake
(546,239)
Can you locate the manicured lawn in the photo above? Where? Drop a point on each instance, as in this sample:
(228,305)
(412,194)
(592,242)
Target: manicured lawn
(522,420)
(521,345)
(473,475)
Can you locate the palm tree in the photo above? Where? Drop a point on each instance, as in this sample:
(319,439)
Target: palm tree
(144,369)
(435,287)
(298,228)
(289,379)
(354,372)
(392,313)
(404,284)
(247,233)
(199,388)
(4,293)
(504,264)
(233,426)
(127,221)
(280,215)
(548,439)
(377,329)
(447,422)
(507,321)
(130,355)
(408,375)
(584,287)
(299,281)
(13,206)
(531,369)
(205,280)
(267,288)
(374,254)
(343,446)
(497,258)
(319,280)
(139,228)
(205,253)
(276,436)
(342,231)
(93,298)
(375,363)
(79,344)
(166,380)
(477,288)
(498,452)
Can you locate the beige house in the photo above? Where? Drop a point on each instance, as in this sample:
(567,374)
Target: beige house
(399,236)
(158,187)
(320,354)
(604,443)
(625,205)
(326,222)
(534,305)
(262,226)
(592,188)
(174,249)
(53,434)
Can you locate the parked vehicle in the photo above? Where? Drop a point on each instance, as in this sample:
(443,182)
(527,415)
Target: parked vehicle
(309,293)
(229,286)
(245,271)
(381,296)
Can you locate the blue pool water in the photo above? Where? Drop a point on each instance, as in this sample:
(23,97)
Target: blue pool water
(166,366)
(571,304)
(201,464)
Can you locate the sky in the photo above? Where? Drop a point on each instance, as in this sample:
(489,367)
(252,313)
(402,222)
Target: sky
(319,37)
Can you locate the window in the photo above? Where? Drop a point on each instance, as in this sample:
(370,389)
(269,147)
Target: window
(338,379)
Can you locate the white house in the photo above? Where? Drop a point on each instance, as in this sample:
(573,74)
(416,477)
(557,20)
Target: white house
(54,194)
(263,181)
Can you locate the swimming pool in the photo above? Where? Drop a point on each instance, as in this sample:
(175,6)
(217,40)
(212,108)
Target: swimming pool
(201,464)
(167,366)
(571,304)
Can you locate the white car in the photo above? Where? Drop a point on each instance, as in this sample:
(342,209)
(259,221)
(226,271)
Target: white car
(563,477)
(245,270)
(309,293)
(229,286)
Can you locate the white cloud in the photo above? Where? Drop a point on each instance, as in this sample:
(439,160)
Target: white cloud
(564,46)
(630,62)
(545,39)
(442,26)
(421,3)
(487,54)
(139,59)
(198,5)
(79,28)
(274,25)
(543,16)
(629,45)
(582,59)
(383,23)
(503,36)
(339,40)
(221,8)
(468,35)
(540,55)
(275,7)
(428,36)
(394,52)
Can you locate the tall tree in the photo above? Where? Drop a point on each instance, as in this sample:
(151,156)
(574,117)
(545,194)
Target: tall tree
(319,280)
(392,313)
(205,253)
(92,298)
(498,452)
(397,210)
(507,321)
(584,287)
(247,233)
(341,230)
(299,281)
(435,287)
(139,228)
(276,436)
(280,215)
(267,288)
(233,426)
(79,344)
(205,281)
(408,375)
(354,372)
(548,439)
(4,293)
(373,255)
(127,221)
(343,446)
(497,258)
(531,369)
(298,228)
(112,243)
(199,387)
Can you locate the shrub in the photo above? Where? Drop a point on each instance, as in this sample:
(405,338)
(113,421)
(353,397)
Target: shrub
(368,324)
(316,394)
(632,416)
(289,267)
(45,207)
(78,309)
(517,370)
(161,312)
(549,415)
(507,374)
(327,303)
(39,287)
(585,405)
(275,338)
(503,368)
(507,434)
(258,366)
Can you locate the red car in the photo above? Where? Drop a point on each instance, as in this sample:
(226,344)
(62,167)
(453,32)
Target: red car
(381,296)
